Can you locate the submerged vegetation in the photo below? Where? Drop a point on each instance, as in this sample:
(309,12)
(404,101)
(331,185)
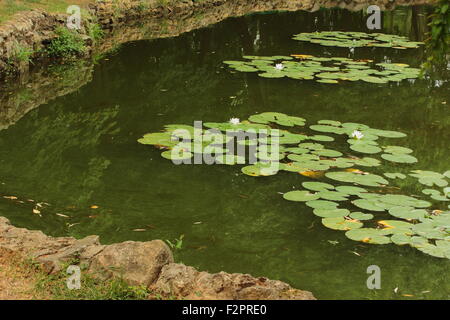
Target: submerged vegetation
(345,196)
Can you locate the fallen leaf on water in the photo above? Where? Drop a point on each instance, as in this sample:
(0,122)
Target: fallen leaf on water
(354,252)
(301,56)
(198,222)
(139,230)
(407,295)
(10,197)
(73,224)
(396,290)
(62,215)
(312,174)
(92,217)
(94,207)
(36,211)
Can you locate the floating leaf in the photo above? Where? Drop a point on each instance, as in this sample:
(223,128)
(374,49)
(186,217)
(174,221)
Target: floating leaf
(300,196)
(407,212)
(367,204)
(365,148)
(322,204)
(429,178)
(350,190)
(317,186)
(331,213)
(399,158)
(394,175)
(366,180)
(368,235)
(361,216)
(340,223)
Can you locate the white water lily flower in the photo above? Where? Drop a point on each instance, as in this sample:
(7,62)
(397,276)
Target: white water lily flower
(279,66)
(357,135)
(234,121)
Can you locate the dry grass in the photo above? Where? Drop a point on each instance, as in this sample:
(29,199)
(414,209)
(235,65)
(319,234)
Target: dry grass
(10,7)
(17,279)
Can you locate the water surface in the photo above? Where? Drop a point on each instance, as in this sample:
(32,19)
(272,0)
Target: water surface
(80,150)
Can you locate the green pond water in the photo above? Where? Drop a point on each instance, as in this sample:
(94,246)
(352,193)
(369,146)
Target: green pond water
(79,153)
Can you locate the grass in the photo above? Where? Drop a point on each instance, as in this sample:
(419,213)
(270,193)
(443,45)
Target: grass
(68,44)
(22,54)
(91,288)
(10,7)
(25,279)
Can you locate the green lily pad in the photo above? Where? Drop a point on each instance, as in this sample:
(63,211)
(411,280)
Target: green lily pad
(429,178)
(368,235)
(333,195)
(327,153)
(365,148)
(394,175)
(322,204)
(300,196)
(350,190)
(361,216)
(399,158)
(368,204)
(407,213)
(317,186)
(366,180)
(397,150)
(340,223)
(331,213)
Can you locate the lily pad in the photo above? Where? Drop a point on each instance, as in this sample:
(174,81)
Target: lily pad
(322,204)
(300,196)
(317,186)
(368,235)
(399,158)
(340,223)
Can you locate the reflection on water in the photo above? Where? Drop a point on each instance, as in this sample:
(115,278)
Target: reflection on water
(437,65)
(79,150)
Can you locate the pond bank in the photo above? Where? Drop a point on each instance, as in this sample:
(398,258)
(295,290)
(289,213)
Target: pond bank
(149,264)
(28,34)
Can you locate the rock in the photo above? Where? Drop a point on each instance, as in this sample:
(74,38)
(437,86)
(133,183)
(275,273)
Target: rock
(141,263)
(84,249)
(187,283)
(138,263)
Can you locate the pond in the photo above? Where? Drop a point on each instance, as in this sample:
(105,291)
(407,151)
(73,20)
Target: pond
(79,157)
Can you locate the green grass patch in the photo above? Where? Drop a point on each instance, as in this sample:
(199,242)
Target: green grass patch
(68,44)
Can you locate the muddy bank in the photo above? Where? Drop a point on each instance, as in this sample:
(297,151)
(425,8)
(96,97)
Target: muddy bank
(141,263)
